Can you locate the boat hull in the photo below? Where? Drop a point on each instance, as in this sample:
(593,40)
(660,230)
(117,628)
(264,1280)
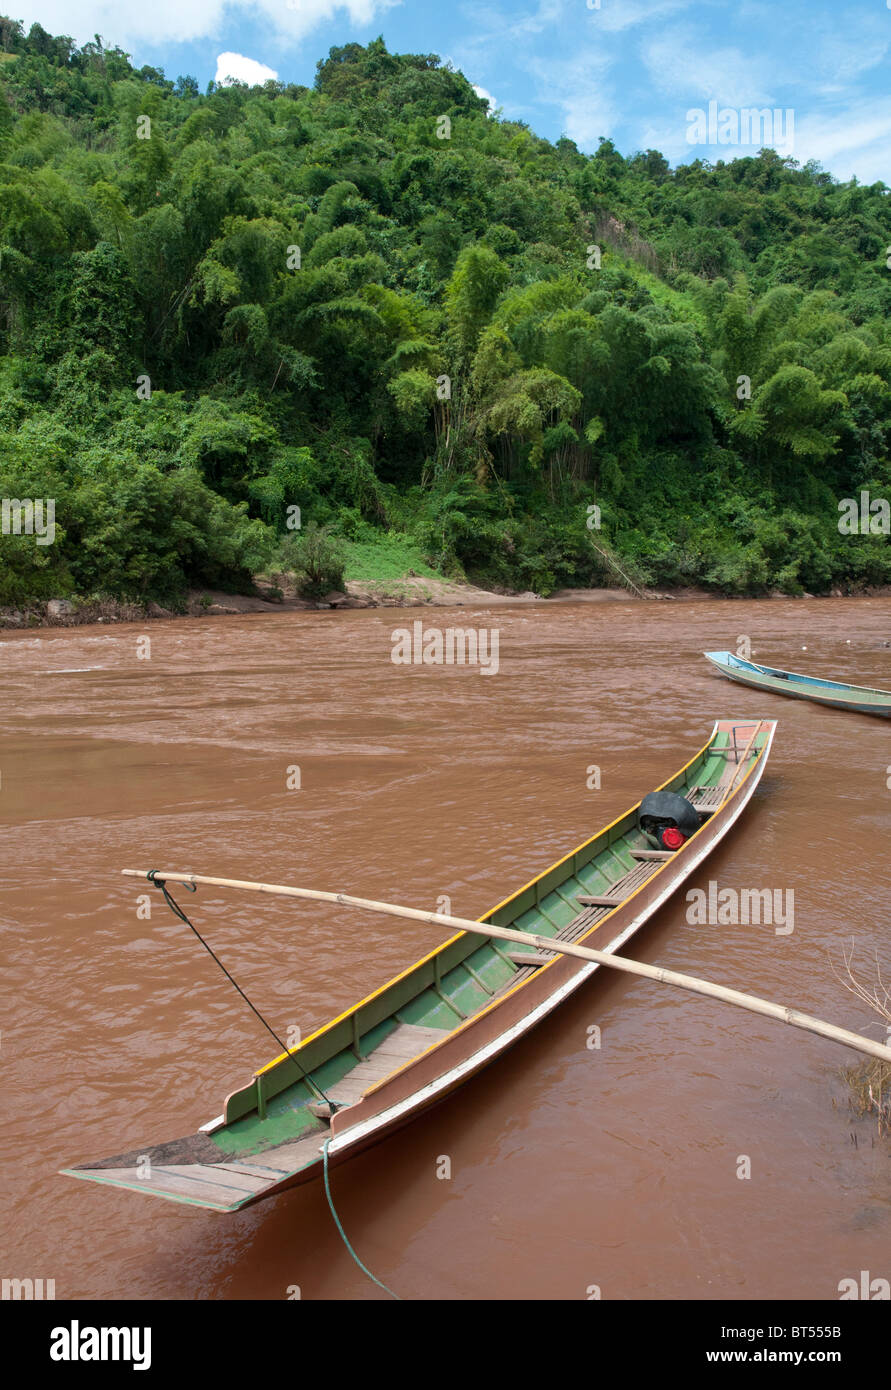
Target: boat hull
(798,687)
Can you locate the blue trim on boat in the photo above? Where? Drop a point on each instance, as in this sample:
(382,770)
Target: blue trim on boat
(806,687)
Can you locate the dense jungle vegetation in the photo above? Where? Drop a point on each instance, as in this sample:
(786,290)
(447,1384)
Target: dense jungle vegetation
(450,337)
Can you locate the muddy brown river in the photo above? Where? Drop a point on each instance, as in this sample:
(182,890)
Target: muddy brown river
(571,1167)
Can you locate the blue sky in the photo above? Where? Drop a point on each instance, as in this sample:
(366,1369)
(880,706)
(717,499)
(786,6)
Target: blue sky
(632,70)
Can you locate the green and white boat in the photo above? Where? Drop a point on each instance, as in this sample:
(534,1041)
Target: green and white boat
(405,1047)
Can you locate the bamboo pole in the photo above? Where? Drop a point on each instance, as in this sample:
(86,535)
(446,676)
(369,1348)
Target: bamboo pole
(611,561)
(753,1003)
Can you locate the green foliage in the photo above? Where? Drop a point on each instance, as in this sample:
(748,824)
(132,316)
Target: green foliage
(316,558)
(327,307)
(131,532)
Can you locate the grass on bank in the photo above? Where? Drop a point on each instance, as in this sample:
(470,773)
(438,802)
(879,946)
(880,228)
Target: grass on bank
(317,561)
(390,557)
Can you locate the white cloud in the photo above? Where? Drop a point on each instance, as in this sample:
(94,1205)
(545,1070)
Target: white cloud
(678,63)
(577,88)
(851,141)
(845,60)
(837,43)
(848,143)
(670,139)
(616,15)
(549,13)
(487,96)
(165,22)
(609,17)
(587,118)
(124,22)
(234,67)
(846,137)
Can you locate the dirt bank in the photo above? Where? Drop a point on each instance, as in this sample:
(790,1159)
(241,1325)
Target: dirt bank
(411,591)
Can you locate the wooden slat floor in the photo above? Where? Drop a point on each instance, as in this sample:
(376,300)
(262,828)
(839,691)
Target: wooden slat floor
(707,798)
(218,1185)
(400,1046)
(586,919)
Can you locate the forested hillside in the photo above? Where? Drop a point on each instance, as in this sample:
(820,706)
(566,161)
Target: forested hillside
(216,308)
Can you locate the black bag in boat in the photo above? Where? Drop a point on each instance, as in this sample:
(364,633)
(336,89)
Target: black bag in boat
(661,811)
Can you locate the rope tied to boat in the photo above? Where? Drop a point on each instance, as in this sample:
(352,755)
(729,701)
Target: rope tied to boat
(342,1232)
(335,1105)
(177,911)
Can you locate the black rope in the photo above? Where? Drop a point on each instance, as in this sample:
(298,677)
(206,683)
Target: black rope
(178,912)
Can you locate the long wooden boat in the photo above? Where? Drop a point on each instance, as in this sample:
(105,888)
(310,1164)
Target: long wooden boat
(411,1042)
(861,698)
